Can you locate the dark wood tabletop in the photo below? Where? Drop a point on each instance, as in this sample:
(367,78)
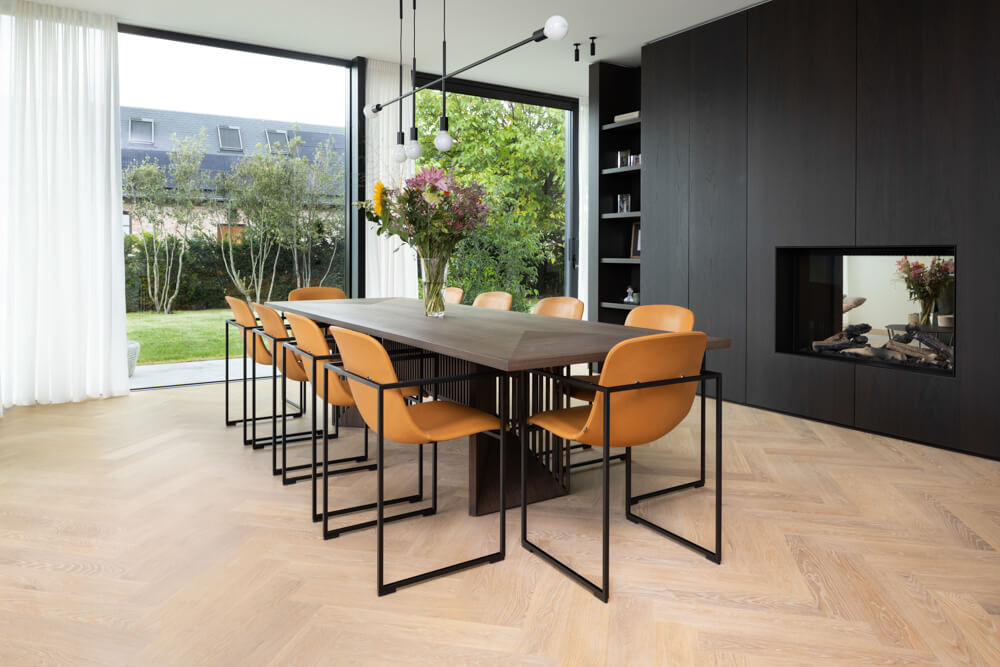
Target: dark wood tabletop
(504,340)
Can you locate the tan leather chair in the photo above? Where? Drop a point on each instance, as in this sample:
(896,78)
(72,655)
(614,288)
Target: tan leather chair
(385,410)
(494,300)
(628,418)
(653,316)
(560,306)
(253,348)
(453,294)
(316,293)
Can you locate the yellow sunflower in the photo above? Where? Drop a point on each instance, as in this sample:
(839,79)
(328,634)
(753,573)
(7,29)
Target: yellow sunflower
(377,197)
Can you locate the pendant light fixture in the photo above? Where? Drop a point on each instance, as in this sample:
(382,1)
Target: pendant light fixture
(413,149)
(398,153)
(443,141)
(555,28)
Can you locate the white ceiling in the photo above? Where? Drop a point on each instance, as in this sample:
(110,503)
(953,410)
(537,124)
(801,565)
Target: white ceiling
(476,28)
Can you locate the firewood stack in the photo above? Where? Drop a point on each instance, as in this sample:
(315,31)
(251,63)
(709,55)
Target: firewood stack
(853,341)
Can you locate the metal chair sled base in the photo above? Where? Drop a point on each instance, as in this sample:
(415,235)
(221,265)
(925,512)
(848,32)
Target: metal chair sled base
(602,592)
(387,588)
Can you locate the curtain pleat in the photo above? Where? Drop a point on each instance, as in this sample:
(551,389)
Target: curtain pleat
(390,264)
(62,279)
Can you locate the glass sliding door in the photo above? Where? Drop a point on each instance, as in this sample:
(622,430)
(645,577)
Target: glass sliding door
(233,173)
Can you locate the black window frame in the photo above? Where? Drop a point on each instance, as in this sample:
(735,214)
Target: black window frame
(570,104)
(354,121)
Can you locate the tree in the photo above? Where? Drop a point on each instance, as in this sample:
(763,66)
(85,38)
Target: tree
(517,153)
(158,196)
(286,201)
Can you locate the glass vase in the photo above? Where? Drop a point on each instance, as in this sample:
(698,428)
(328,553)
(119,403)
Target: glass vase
(435,274)
(926,306)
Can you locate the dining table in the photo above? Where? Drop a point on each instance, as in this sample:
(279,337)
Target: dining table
(469,340)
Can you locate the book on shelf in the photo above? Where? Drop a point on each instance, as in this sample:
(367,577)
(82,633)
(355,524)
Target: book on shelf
(631,115)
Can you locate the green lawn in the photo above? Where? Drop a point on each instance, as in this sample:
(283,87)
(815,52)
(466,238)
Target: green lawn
(188,335)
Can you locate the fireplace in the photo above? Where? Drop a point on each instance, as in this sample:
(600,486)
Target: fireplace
(890,306)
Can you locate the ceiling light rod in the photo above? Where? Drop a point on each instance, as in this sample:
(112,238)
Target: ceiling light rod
(555,28)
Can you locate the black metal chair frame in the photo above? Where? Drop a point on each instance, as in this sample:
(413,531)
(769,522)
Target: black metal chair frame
(272,440)
(232,422)
(379,506)
(602,592)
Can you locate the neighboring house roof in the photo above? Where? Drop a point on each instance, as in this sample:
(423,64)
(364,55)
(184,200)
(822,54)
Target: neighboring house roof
(253,132)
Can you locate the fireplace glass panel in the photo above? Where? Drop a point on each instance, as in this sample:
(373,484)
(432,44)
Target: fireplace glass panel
(853,304)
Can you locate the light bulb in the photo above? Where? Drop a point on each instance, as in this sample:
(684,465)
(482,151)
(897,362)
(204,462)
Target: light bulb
(398,153)
(413,149)
(556,27)
(369,111)
(443,141)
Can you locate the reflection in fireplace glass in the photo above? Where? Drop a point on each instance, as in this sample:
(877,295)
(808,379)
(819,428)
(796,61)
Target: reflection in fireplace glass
(889,306)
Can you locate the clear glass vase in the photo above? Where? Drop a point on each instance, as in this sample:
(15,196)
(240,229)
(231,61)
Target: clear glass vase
(435,275)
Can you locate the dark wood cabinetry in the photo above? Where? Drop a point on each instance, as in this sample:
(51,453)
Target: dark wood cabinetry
(819,124)
(801,158)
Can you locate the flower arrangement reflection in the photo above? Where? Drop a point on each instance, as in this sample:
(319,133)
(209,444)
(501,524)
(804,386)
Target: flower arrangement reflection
(926,282)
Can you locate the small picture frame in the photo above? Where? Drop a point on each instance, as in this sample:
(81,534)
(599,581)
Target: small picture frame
(625,203)
(636,245)
(635,160)
(623,158)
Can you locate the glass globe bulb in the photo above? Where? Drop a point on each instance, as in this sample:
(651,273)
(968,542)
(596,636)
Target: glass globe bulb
(398,153)
(413,149)
(369,111)
(443,141)
(556,27)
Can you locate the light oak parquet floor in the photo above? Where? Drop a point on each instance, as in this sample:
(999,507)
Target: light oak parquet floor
(139,531)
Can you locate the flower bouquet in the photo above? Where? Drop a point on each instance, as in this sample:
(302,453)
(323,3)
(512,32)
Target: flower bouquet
(432,213)
(925,283)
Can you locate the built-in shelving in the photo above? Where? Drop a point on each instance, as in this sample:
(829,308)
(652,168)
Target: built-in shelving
(620,216)
(624,123)
(621,170)
(613,305)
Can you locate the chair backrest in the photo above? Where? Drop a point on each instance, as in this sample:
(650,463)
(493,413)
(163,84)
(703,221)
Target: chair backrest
(365,356)
(309,338)
(661,316)
(453,294)
(274,326)
(560,306)
(494,300)
(643,415)
(316,293)
(245,317)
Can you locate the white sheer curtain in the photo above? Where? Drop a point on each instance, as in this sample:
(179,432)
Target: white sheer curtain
(390,265)
(62,286)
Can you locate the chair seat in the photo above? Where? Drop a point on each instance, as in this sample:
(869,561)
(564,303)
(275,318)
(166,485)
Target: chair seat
(566,423)
(581,393)
(444,420)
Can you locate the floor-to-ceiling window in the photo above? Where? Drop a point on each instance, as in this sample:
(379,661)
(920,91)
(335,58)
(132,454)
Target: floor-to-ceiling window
(233,173)
(520,148)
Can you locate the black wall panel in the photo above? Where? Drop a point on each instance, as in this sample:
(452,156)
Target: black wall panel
(666,110)
(717,216)
(929,173)
(801,157)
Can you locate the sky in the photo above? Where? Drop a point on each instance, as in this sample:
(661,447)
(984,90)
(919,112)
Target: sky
(164,74)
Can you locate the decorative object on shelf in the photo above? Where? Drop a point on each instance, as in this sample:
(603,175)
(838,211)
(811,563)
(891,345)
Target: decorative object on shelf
(946,320)
(623,158)
(624,203)
(629,295)
(913,319)
(636,244)
(622,117)
(635,160)
(925,283)
(635,298)
(556,27)
(432,213)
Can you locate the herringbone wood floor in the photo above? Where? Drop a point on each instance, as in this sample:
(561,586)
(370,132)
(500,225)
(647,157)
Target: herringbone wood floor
(139,531)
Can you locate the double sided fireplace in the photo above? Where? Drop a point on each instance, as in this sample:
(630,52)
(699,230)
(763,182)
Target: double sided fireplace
(890,306)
